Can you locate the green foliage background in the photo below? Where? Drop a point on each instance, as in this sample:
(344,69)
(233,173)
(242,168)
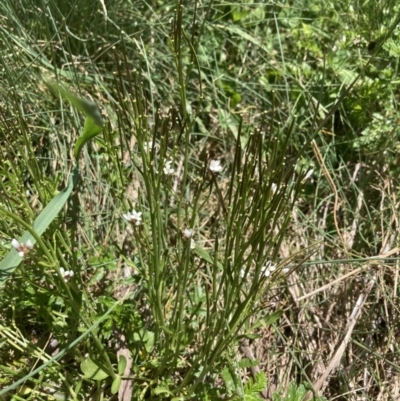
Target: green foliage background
(249,83)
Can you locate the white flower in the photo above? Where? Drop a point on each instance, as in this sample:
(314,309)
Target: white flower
(66,273)
(215,166)
(134,217)
(192,243)
(22,249)
(15,244)
(242,273)
(285,270)
(187,232)
(308,175)
(267,269)
(168,170)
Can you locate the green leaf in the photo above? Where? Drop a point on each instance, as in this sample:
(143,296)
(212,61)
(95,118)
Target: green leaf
(203,254)
(121,364)
(90,130)
(273,317)
(48,214)
(260,382)
(146,338)
(162,390)
(228,380)
(248,363)
(116,384)
(87,107)
(93,122)
(235,99)
(238,14)
(253,336)
(93,371)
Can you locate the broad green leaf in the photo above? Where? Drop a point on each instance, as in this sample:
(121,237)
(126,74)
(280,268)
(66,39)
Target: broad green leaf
(93,371)
(121,365)
(48,214)
(146,338)
(116,384)
(90,130)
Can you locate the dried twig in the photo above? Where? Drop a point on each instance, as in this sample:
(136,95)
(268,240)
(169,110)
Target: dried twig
(322,382)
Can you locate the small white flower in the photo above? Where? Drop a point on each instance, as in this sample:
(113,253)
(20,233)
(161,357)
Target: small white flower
(15,243)
(242,273)
(168,170)
(192,243)
(267,269)
(285,270)
(22,249)
(134,217)
(215,166)
(66,273)
(308,175)
(187,232)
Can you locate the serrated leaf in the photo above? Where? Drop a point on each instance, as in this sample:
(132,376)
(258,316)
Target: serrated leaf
(260,382)
(93,371)
(116,384)
(48,214)
(121,364)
